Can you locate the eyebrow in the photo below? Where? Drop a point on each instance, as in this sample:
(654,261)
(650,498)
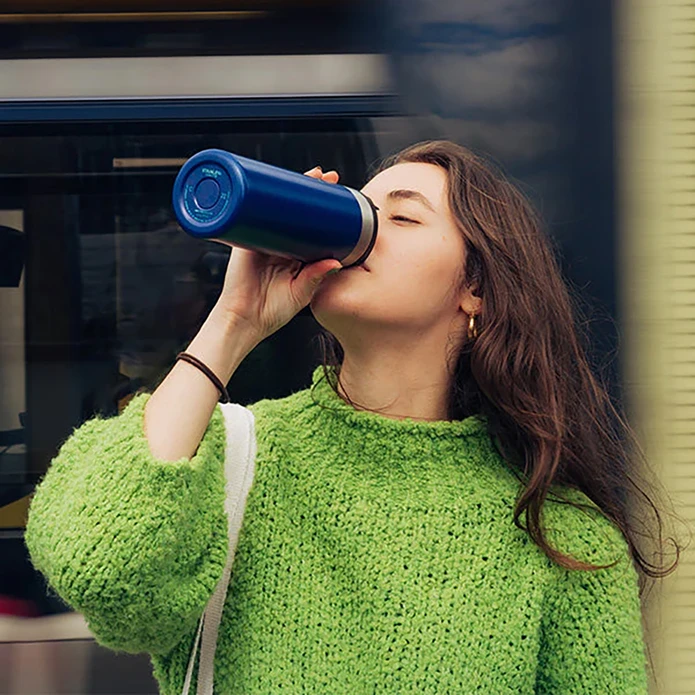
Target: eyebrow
(407,194)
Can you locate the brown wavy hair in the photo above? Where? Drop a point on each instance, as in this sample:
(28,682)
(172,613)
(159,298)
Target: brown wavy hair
(527,369)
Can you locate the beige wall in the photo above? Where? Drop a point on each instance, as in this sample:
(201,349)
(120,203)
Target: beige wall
(656,142)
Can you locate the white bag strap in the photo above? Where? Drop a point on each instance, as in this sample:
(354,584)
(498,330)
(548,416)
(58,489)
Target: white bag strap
(239,468)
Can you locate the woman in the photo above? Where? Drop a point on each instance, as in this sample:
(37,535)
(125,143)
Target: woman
(444,510)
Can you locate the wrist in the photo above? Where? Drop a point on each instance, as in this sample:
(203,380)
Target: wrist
(223,344)
(232,327)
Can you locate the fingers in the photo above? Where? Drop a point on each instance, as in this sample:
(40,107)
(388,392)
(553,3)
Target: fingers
(311,277)
(314,273)
(317,173)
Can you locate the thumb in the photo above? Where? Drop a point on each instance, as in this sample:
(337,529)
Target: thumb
(311,277)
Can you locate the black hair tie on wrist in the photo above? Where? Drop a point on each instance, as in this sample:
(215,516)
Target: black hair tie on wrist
(186,357)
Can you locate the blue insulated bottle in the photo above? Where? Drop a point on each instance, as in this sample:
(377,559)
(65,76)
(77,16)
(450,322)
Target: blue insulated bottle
(223,197)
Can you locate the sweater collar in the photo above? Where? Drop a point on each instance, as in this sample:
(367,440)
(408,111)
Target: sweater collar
(325,397)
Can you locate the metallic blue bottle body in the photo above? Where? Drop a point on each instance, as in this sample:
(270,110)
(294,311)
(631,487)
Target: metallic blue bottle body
(224,197)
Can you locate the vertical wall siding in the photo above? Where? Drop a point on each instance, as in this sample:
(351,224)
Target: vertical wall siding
(656,136)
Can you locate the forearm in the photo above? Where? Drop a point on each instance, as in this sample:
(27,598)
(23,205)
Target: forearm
(179,410)
(134,543)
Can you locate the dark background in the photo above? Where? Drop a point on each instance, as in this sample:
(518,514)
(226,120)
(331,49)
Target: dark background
(113,286)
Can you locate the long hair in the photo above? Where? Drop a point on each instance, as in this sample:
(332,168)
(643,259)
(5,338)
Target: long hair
(527,369)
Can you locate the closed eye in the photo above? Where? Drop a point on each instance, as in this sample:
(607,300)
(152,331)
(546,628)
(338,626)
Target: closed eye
(401,218)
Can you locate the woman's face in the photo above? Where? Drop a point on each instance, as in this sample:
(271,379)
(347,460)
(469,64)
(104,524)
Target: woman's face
(411,279)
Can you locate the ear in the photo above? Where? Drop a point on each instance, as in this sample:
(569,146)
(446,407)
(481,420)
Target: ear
(469,302)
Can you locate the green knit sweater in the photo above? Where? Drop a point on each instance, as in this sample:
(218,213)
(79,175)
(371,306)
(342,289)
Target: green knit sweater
(375,556)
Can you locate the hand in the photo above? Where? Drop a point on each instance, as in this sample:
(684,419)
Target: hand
(265,292)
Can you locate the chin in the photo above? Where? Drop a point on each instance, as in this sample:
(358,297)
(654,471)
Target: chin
(332,305)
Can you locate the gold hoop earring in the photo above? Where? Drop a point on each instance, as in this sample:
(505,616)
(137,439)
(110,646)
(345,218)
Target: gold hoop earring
(472,328)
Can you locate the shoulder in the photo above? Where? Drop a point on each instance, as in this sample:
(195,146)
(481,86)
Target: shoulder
(279,408)
(571,522)
(576,526)
(289,414)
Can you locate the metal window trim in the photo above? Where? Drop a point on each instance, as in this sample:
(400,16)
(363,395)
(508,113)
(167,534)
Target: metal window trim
(198,108)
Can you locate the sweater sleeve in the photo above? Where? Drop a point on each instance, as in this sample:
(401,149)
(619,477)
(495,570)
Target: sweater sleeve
(135,544)
(591,639)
